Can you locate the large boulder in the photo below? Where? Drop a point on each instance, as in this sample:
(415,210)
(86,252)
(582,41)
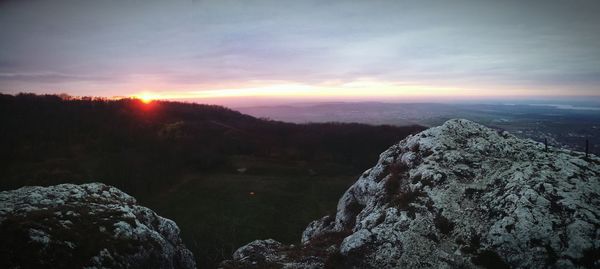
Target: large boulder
(458,196)
(91,225)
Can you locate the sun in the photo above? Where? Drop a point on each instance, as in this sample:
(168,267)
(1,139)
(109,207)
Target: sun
(147,97)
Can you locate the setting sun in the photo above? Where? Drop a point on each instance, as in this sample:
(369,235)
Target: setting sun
(146,97)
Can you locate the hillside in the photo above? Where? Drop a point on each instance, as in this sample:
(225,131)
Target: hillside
(224,177)
(455,196)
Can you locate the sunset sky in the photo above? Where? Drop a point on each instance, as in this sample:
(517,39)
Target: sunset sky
(301,50)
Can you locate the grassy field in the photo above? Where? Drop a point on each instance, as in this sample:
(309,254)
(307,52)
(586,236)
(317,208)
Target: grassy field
(218,213)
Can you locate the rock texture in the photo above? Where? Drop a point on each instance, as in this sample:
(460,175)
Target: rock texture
(455,196)
(85,226)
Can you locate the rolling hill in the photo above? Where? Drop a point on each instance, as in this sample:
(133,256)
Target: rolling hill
(226,178)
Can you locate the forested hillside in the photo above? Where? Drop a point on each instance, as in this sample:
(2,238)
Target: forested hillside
(221,175)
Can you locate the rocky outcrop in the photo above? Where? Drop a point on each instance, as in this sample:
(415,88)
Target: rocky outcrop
(455,196)
(85,226)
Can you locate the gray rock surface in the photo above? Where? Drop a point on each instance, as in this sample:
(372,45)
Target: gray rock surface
(85,226)
(457,195)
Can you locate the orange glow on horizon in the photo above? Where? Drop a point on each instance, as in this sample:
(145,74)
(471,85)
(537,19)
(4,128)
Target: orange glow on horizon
(147,97)
(360,89)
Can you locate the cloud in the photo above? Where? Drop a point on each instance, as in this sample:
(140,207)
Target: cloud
(533,44)
(50,77)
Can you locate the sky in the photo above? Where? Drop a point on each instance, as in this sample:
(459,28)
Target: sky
(301,50)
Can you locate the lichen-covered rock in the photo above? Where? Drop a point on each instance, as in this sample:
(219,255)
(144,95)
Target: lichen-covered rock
(85,226)
(463,195)
(318,228)
(321,252)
